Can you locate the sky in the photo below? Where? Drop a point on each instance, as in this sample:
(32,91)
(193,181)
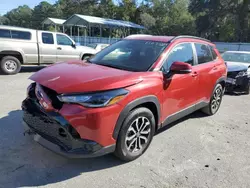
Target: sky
(7,5)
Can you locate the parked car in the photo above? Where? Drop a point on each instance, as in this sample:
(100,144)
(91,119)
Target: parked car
(238,64)
(98,46)
(117,103)
(20,46)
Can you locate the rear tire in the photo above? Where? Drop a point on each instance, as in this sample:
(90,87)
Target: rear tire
(136,134)
(10,65)
(215,101)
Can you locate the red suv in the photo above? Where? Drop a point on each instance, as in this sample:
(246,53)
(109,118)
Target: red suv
(118,99)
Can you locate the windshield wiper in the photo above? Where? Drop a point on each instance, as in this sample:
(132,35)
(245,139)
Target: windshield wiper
(112,66)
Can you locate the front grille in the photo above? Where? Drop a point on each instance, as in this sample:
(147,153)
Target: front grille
(56,103)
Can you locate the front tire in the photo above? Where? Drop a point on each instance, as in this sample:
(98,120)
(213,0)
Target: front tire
(215,101)
(85,57)
(10,65)
(136,134)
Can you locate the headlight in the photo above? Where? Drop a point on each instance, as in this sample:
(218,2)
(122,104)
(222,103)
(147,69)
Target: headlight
(95,100)
(242,73)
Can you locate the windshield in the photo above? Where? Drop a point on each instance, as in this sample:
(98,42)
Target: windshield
(131,55)
(236,57)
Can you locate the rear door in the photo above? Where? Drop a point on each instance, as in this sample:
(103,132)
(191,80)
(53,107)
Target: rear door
(208,70)
(65,50)
(47,47)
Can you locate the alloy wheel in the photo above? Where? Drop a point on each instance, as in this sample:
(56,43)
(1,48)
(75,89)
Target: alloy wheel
(138,135)
(216,100)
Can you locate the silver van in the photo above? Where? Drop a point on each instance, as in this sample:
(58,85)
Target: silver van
(20,46)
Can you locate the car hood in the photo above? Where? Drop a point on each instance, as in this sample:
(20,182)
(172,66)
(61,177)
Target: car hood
(236,66)
(86,49)
(78,76)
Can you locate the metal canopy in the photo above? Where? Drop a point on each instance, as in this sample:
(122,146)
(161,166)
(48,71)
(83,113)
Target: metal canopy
(84,20)
(54,21)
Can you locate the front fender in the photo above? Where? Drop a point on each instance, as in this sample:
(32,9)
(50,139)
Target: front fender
(132,105)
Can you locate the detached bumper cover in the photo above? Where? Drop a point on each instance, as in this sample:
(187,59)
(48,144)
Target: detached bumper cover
(52,131)
(235,84)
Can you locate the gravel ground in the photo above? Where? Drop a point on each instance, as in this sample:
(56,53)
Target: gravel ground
(197,151)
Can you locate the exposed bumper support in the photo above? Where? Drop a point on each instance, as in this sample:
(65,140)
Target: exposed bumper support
(69,154)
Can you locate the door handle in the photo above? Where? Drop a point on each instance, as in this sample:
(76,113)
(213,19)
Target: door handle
(59,48)
(194,74)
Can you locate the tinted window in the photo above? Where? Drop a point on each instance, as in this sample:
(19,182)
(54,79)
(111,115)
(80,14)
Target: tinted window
(47,38)
(214,54)
(63,40)
(132,55)
(4,33)
(203,53)
(20,35)
(182,53)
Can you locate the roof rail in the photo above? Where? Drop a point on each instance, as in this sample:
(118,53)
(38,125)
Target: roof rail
(187,36)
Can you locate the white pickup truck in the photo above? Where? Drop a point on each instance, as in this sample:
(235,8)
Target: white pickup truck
(20,46)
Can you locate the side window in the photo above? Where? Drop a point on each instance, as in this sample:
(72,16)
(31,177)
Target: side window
(4,33)
(23,35)
(63,40)
(203,53)
(47,38)
(183,53)
(214,54)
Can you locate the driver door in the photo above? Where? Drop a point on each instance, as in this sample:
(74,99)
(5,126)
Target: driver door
(65,50)
(180,90)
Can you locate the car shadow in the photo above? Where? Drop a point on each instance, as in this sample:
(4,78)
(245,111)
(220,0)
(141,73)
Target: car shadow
(24,163)
(197,114)
(30,68)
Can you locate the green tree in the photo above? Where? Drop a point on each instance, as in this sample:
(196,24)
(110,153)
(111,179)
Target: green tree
(70,7)
(20,16)
(222,19)
(3,20)
(41,12)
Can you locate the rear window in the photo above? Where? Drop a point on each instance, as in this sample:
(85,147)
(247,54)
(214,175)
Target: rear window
(47,38)
(23,35)
(204,54)
(4,33)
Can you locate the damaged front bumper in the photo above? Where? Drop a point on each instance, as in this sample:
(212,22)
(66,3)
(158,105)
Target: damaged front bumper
(52,131)
(237,84)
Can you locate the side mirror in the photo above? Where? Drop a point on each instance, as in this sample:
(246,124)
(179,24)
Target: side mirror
(180,68)
(73,45)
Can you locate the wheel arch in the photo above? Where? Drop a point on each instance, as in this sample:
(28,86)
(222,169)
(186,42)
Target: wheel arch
(13,53)
(86,54)
(222,81)
(151,102)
